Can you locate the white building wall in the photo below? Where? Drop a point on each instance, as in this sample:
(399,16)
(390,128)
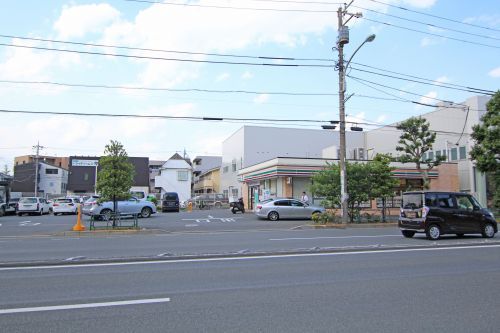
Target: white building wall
(169,182)
(52,183)
(251,145)
(449,118)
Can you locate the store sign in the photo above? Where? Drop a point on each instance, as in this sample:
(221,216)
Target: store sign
(84,163)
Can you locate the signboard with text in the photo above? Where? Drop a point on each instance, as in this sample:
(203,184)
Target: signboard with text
(84,163)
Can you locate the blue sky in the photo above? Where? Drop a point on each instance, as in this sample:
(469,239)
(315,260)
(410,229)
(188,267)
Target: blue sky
(310,32)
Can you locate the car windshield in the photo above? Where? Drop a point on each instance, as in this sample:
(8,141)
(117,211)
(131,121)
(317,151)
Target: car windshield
(412,200)
(63,200)
(266,201)
(170,196)
(28,200)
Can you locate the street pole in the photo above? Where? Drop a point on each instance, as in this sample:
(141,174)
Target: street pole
(37,147)
(342,160)
(343,38)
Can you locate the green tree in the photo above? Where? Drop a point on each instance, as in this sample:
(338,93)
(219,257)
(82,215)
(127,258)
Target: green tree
(115,176)
(6,170)
(486,151)
(326,183)
(381,182)
(414,142)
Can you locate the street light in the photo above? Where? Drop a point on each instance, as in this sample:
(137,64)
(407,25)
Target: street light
(343,38)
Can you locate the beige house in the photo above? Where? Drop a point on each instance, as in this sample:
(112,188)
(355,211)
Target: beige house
(207,182)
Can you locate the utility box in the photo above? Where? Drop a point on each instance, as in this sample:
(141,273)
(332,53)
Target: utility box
(343,37)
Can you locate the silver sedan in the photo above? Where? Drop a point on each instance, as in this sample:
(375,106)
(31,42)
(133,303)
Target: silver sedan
(125,207)
(275,209)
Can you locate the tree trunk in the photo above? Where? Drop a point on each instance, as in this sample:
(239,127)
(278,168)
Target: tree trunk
(115,207)
(383,209)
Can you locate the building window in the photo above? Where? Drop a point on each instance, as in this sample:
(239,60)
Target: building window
(51,171)
(234,192)
(51,184)
(462,153)
(234,166)
(431,155)
(182,175)
(86,176)
(454,154)
(438,154)
(225,169)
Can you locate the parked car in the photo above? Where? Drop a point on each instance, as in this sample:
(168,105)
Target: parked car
(282,208)
(9,207)
(439,213)
(65,206)
(92,207)
(33,205)
(170,202)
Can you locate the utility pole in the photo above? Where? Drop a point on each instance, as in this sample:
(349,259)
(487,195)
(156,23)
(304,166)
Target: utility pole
(37,147)
(343,38)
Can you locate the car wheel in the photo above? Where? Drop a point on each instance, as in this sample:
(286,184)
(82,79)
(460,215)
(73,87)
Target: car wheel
(488,231)
(460,235)
(2,211)
(273,216)
(19,214)
(146,212)
(433,232)
(106,214)
(408,233)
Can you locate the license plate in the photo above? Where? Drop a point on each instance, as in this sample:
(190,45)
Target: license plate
(411,215)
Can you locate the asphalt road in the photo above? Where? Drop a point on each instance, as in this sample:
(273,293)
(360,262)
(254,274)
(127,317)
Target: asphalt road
(431,290)
(205,220)
(154,245)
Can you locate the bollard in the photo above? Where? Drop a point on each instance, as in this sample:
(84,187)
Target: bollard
(190,207)
(78,226)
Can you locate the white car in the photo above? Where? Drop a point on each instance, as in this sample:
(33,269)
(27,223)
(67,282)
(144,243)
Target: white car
(65,206)
(33,205)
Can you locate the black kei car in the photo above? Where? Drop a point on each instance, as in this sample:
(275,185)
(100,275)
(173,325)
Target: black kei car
(170,202)
(439,213)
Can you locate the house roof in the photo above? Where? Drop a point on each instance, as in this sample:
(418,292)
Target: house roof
(176,162)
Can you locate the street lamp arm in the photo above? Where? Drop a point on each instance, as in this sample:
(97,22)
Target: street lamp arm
(367,40)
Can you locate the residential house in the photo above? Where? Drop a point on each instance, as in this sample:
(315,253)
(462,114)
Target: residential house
(206,174)
(52,180)
(175,176)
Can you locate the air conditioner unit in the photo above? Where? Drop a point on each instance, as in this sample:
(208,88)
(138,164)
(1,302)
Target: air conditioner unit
(361,154)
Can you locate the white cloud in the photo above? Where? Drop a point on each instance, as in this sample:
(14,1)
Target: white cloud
(420,3)
(24,63)
(429,98)
(495,72)
(261,99)
(441,80)
(381,118)
(428,41)
(247,75)
(222,77)
(79,20)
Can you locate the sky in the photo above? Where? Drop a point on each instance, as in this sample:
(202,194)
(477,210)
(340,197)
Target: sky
(447,42)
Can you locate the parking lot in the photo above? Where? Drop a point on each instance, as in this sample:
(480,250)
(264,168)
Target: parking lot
(198,220)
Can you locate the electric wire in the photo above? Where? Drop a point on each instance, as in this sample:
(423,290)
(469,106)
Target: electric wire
(435,16)
(166,59)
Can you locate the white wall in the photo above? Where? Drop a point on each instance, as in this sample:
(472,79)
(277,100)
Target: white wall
(52,183)
(251,145)
(169,183)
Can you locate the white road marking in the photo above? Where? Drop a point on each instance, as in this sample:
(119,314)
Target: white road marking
(84,305)
(210,218)
(333,237)
(28,224)
(278,256)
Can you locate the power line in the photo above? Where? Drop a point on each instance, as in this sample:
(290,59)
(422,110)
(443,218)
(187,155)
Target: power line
(189,118)
(424,79)
(167,59)
(427,24)
(164,50)
(421,82)
(234,8)
(430,33)
(435,16)
(250,92)
(404,91)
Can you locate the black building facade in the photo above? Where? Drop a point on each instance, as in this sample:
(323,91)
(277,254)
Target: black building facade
(24,178)
(82,173)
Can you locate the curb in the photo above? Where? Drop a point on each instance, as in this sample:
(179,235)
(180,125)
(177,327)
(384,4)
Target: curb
(352,225)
